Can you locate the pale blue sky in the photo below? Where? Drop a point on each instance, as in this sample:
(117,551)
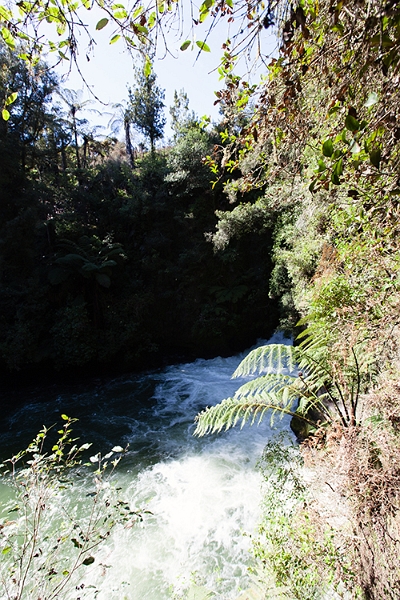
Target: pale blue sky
(110,72)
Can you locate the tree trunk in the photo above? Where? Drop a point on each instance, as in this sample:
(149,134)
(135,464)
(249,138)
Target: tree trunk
(128,144)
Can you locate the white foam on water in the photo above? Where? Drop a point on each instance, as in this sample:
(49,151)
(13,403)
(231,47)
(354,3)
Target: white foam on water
(202,507)
(203,494)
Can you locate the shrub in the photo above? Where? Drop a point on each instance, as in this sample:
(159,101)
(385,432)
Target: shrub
(45,544)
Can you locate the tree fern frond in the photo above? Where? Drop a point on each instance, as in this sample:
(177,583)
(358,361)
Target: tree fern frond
(230,411)
(248,412)
(296,381)
(307,404)
(313,375)
(311,335)
(313,343)
(365,358)
(313,368)
(263,411)
(271,382)
(274,413)
(272,358)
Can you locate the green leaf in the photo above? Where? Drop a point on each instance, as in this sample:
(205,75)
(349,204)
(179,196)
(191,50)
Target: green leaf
(327,148)
(5,14)
(8,38)
(351,123)
(203,46)
(5,114)
(147,67)
(130,41)
(88,561)
(11,98)
(203,15)
(6,550)
(117,449)
(375,158)
(101,24)
(338,169)
(141,29)
(185,45)
(15,509)
(335,179)
(337,172)
(337,154)
(321,166)
(114,39)
(152,20)
(333,110)
(371,100)
(64,417)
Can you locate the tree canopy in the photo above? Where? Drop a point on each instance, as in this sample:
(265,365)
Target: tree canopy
(146,106)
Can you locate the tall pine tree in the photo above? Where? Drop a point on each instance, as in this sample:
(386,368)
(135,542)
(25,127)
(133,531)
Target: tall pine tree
(147,106)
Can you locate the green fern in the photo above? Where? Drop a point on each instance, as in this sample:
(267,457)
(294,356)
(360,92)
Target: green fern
(302,381)
(273,358)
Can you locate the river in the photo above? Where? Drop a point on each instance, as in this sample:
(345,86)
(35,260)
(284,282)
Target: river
(203,495)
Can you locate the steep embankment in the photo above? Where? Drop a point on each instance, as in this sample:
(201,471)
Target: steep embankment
(324,143)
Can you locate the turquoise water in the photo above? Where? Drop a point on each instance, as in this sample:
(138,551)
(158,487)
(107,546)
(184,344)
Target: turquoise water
(203,494)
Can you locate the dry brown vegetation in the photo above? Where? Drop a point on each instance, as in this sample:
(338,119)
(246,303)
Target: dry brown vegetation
(356,487)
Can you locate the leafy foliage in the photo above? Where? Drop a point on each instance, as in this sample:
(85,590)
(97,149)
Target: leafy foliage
(181,117)
(299,381)
(297,555)
(146,106)
(101,264)
(42,559)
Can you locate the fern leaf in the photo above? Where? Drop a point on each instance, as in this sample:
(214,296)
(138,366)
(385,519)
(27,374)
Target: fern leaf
(272,382)
(230,411)
(272,358)
(262,413)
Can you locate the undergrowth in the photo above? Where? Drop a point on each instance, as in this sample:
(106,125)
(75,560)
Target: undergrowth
(361,466)
(295,548)
(331,508)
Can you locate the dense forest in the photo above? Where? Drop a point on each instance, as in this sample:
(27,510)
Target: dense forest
(104,259)
(110,256)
